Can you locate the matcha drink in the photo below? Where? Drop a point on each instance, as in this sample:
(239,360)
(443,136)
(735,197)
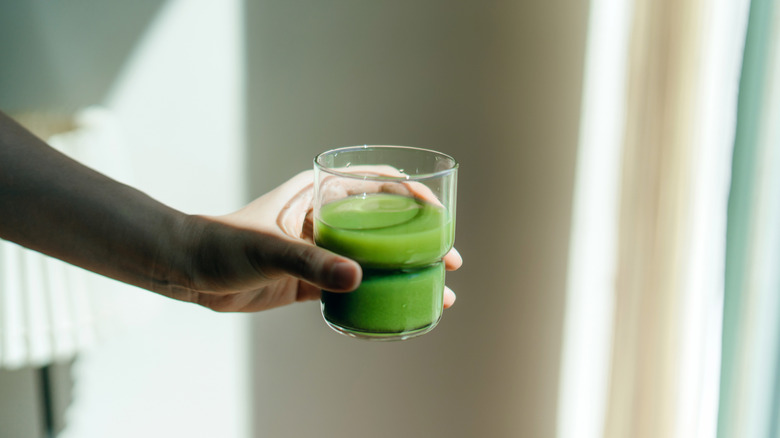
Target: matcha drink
(399,241)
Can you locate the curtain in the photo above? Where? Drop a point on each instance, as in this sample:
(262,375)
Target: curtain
(750,378)
(671,326)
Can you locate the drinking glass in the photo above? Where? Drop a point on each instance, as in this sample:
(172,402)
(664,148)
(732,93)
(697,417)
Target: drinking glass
(391,209)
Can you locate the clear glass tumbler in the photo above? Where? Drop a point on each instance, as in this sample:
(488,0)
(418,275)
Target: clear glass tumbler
(391,209)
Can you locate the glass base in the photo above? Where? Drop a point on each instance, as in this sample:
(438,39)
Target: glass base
(382,336)
(389,305)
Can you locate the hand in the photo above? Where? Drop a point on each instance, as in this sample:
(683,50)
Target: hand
(262,256)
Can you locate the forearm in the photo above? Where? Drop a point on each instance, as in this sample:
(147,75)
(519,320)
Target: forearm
(52,204)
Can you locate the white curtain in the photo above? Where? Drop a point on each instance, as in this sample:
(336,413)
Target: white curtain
(653,199)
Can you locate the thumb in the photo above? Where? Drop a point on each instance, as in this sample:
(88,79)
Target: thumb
(318,266)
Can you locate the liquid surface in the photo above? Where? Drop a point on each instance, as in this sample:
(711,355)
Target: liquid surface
(385,230)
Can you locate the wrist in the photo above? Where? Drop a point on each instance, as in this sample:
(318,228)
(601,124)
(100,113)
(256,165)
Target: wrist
(175,265)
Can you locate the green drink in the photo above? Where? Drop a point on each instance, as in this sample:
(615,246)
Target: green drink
(391,209)
(399,241)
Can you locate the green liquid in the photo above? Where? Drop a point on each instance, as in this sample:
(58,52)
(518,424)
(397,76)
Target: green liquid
(399,242)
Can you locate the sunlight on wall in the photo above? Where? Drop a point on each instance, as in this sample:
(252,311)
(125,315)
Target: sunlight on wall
(179,99)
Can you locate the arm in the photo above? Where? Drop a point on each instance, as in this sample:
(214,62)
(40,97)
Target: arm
(52,204)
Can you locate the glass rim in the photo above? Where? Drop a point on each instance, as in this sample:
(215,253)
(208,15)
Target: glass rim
(405,177)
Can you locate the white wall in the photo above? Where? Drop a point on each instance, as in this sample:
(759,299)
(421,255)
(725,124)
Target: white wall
(172,74)
(497,85)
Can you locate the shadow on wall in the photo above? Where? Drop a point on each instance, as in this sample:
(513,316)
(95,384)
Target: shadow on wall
(497,86)
(61,56)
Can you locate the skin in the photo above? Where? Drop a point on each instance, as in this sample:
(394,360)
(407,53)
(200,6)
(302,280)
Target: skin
(254,259)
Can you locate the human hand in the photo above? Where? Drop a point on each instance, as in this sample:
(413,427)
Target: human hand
(263,255)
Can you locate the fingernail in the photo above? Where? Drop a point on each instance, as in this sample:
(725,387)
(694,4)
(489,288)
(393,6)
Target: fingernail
(342,276)
(449,297)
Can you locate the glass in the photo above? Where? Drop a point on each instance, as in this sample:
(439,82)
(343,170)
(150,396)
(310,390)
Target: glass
(391,209)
